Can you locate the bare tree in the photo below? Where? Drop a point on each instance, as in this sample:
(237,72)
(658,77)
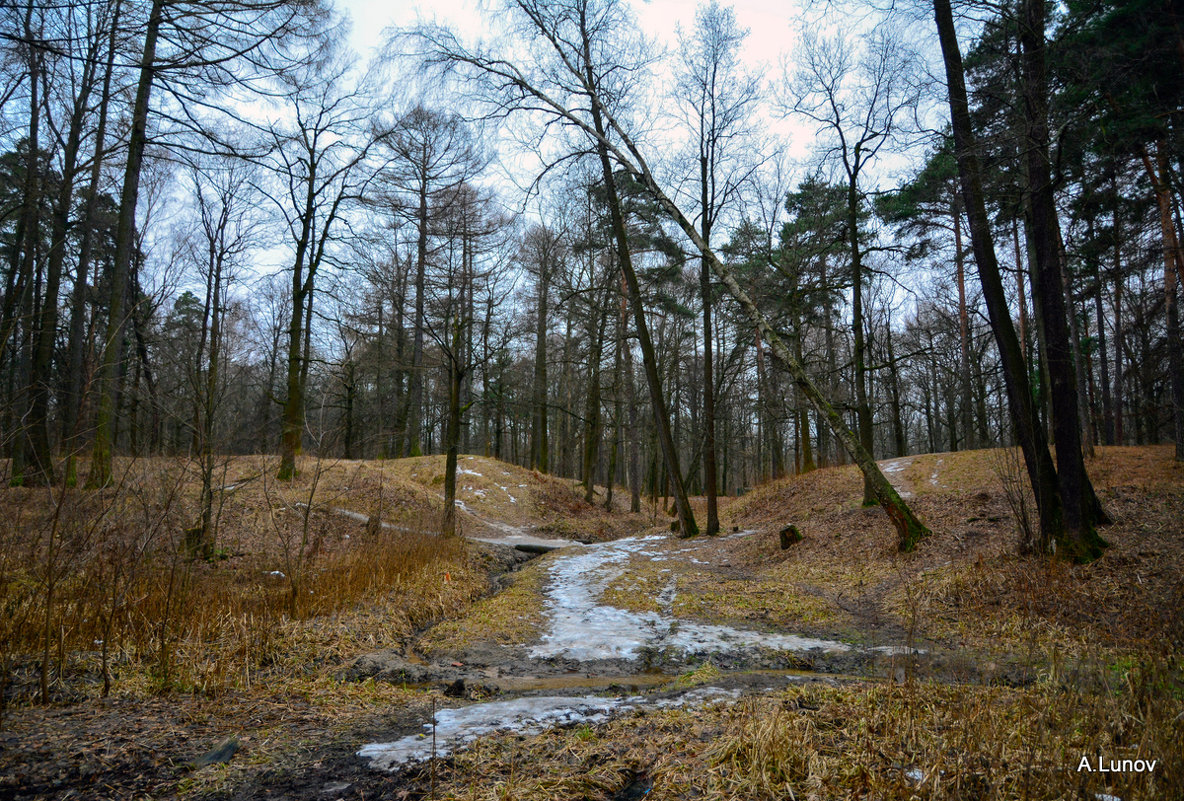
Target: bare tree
(431,154)
(584,38)
(719,98)
(188,47)
(226,230)
(318,162)
(861,100)
(542,249)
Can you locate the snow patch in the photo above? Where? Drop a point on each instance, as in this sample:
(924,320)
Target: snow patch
(933,476)
(582,629)
(893,467)
(456,728)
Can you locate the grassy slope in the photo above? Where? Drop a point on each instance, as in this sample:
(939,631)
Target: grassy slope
(255,638)
(967,586)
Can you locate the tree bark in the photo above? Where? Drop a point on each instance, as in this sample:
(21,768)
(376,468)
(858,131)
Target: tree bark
(1081,509)
(101,452)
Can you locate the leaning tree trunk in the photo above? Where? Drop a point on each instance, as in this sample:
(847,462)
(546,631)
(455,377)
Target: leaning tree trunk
(908,527)
(686,517)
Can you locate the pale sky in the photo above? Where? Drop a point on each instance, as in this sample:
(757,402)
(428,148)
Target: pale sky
(768,21)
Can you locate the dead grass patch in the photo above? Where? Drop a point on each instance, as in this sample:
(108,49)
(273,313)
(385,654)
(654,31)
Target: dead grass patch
(513,616)
(816,741)
(966,585)
(765,602)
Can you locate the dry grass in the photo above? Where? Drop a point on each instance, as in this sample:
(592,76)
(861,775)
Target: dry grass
(884,741)
(967,585)
(257,653)
(511,617)
(292,583)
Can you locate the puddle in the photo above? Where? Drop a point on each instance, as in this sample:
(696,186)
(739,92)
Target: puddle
(634,682)
(456,728)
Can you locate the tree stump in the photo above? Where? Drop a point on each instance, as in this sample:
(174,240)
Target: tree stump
(789,536)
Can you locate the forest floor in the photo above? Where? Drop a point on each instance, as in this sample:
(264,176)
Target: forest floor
(640,664)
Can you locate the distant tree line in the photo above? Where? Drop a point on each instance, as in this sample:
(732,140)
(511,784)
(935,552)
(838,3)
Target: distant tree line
(220,234)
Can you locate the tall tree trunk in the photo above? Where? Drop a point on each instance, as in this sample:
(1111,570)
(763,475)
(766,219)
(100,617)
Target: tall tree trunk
(803,418)
(452,432)
(414,446)
(1041,472)
(686,517)
(1172,269)
(292,417)
(538,441)
(863,409)
(968,442)
(1084,415)
(898,428)
(1104,358)
(28,379)
(101,452)
(709,470)
(203,543)
(631,396)
(1080,505)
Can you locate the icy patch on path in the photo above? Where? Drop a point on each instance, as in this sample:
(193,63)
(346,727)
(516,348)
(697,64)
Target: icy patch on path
(584,630)
(933,478)
(456,728)
(890,471)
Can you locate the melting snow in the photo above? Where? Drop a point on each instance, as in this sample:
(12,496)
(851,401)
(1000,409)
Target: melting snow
(467,472)
(892,468)
(584,630)
(456,728)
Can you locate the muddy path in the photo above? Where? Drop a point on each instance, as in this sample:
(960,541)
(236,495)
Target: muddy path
(606,645)
(584,633)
